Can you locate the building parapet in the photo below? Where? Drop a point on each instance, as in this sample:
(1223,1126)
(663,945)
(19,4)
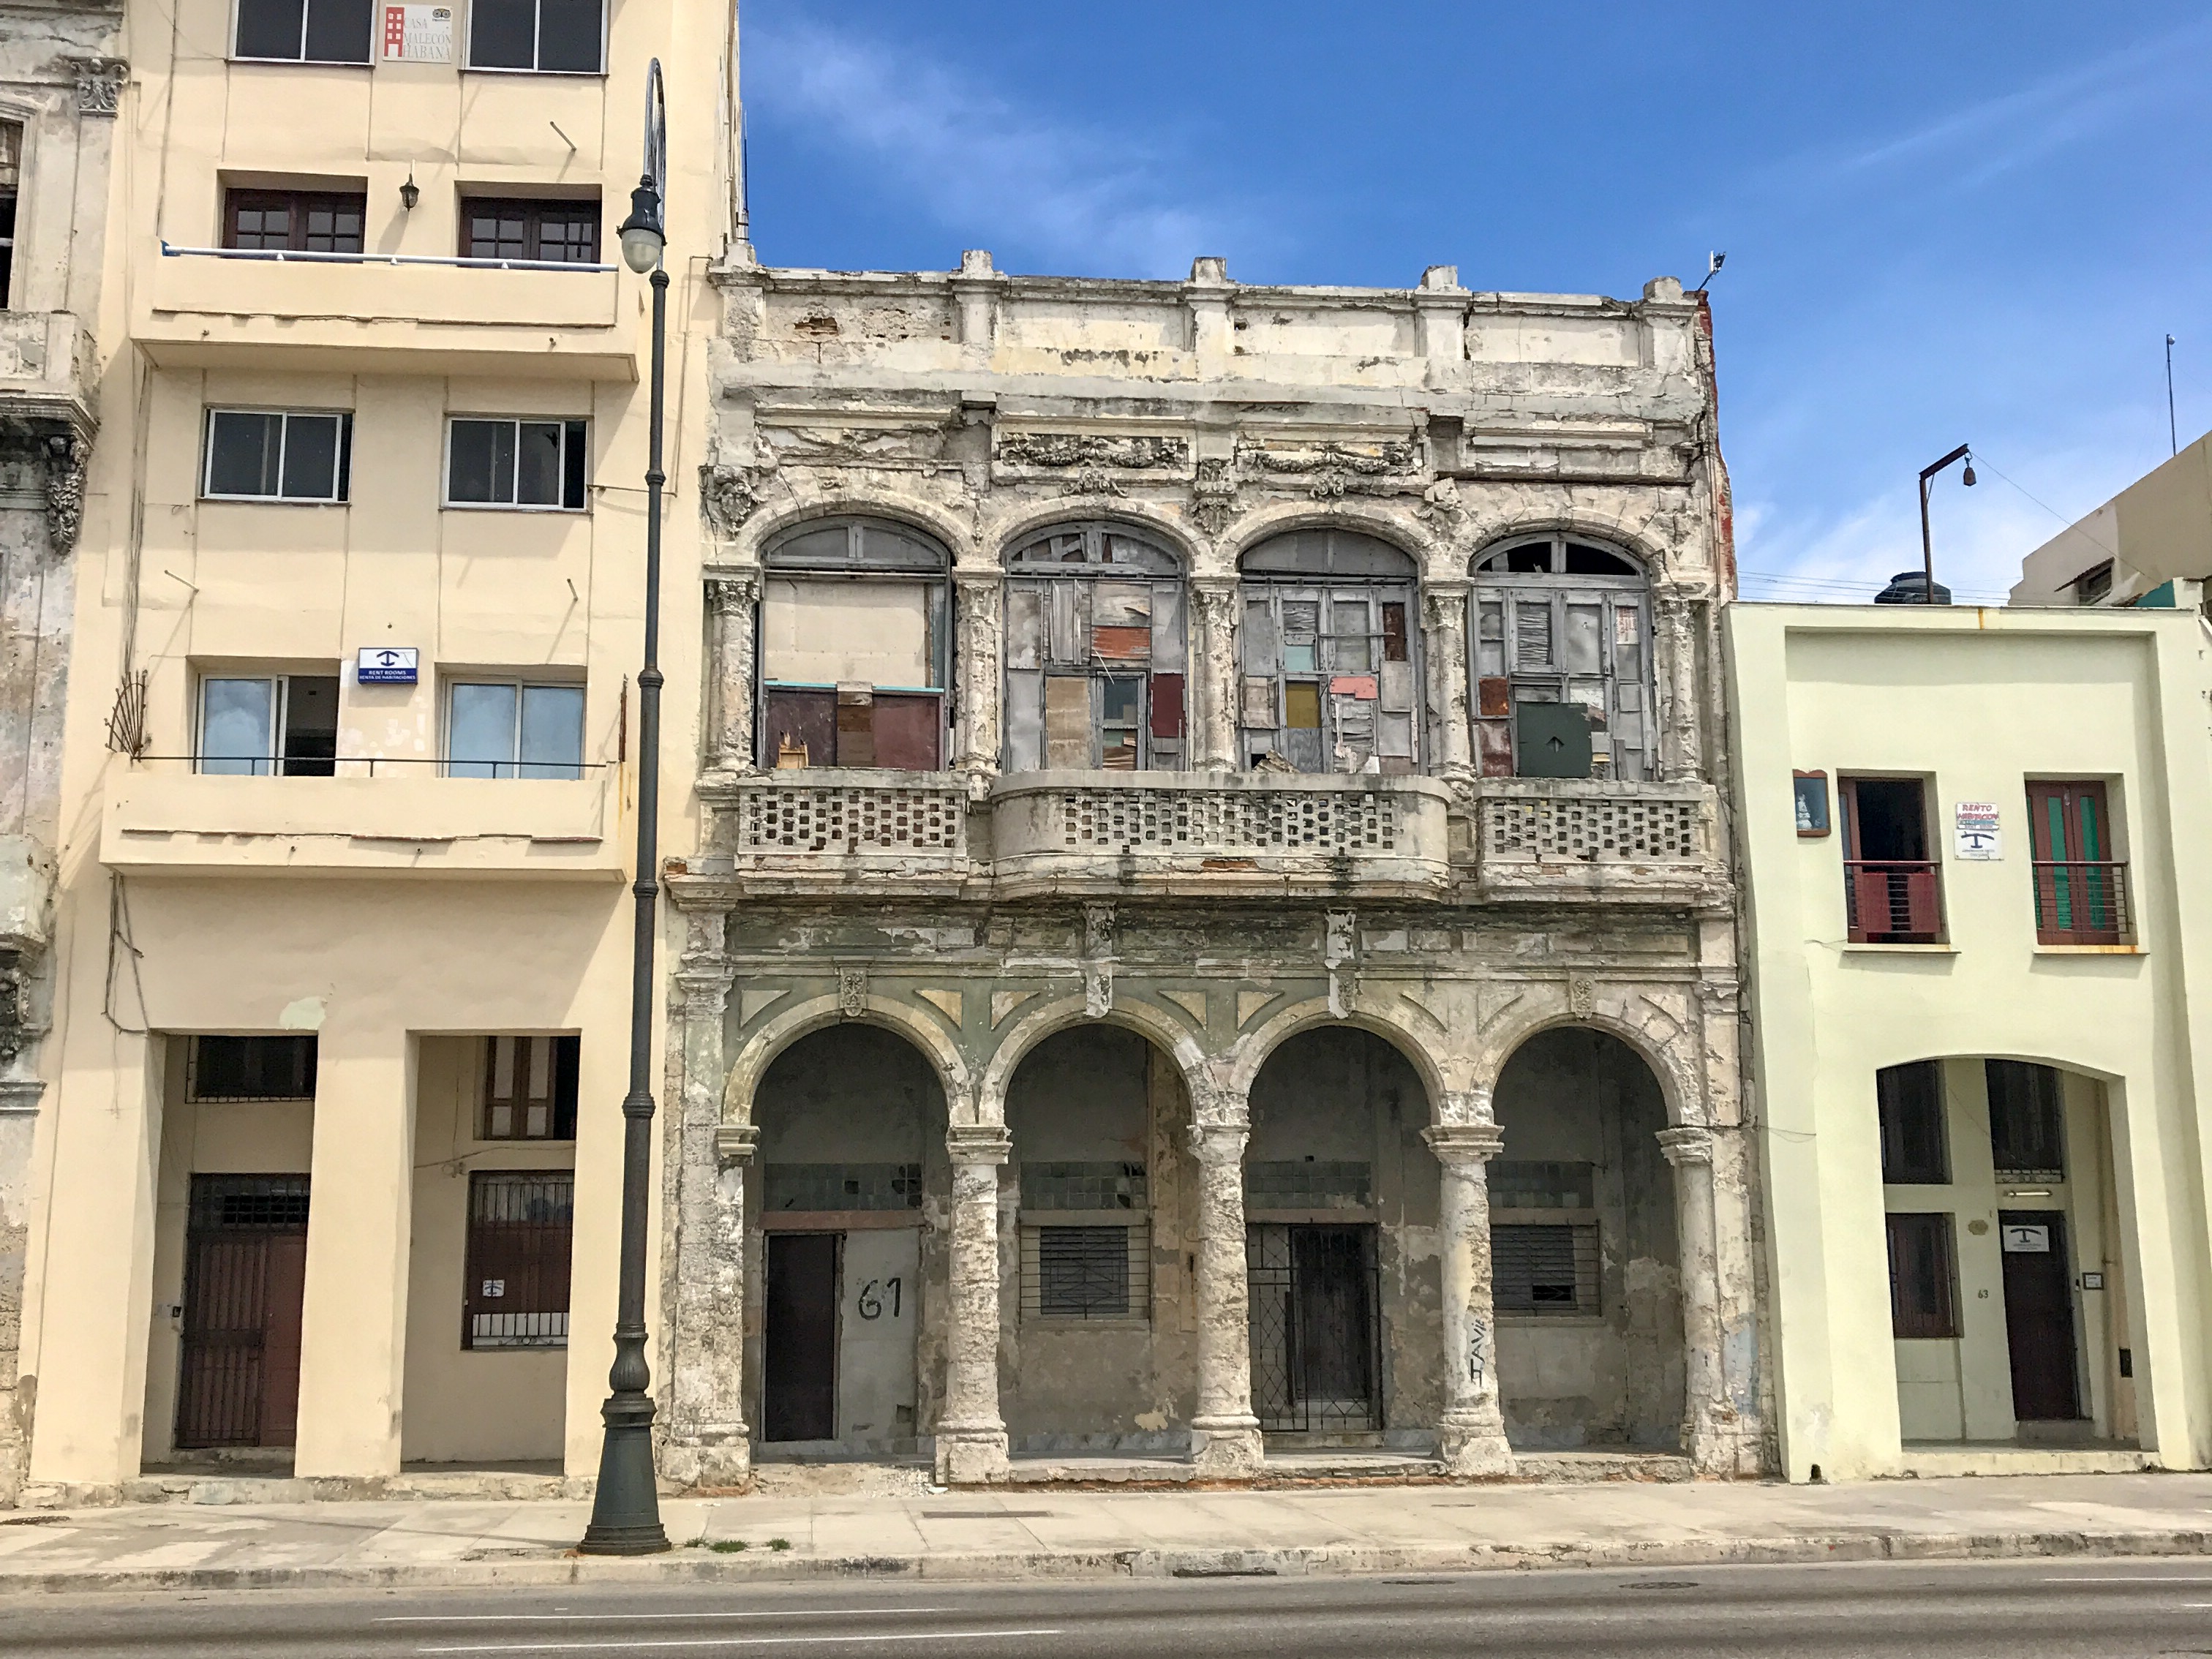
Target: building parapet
(1553,838)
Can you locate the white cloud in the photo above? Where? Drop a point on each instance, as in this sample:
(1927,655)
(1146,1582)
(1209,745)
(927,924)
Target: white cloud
(1079,196)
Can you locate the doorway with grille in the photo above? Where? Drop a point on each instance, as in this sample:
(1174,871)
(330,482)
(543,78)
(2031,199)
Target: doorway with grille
(246,1274)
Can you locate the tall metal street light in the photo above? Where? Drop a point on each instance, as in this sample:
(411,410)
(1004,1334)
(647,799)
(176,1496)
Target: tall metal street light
(626,1507)
(1927,547)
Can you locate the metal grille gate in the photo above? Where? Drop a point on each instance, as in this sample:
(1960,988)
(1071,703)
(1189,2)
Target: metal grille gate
(1316,1349)
(238,1380)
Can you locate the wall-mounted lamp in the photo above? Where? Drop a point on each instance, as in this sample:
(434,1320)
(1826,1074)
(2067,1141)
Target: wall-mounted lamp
(409,195)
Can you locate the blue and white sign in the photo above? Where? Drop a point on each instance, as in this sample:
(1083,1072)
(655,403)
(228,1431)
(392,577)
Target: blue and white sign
(385,665)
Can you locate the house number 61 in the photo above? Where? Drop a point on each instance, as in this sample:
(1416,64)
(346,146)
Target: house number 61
(871,1305)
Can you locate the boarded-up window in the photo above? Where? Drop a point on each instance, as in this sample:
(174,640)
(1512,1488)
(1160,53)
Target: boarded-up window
(1924,1280)
(1911,1101)
(1095,652)
(520,1224)
(855,648)
(1555,621)
(1551,1269)
(1330,681)
(529,1087)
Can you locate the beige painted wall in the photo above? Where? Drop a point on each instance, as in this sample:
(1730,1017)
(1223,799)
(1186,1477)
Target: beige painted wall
(1977,702)
(441,908)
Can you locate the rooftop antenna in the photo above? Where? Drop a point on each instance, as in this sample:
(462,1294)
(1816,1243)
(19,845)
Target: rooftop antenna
(1713,264)
(2173,432)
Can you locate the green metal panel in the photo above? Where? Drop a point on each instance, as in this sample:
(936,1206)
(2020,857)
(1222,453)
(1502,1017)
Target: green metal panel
(1551,740)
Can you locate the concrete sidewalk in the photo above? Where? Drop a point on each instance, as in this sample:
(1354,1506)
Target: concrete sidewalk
(883,1524)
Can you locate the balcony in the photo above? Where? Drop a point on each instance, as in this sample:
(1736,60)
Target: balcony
(403,820)
(1893,901)
(836,829)
(1554,840)
(47,367)
(2081,902)
(211,307)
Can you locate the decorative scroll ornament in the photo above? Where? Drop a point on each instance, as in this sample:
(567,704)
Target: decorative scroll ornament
(725,594)
(727,497)
(99,85)
(1213,495)
(1333,470)
(1061,450)
(66,457)
(1582,998)
(1093,481)
(1440,503)
(852,992)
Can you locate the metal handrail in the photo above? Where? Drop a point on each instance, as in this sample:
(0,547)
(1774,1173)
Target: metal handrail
(302,256)
(2081,901)
(279,766)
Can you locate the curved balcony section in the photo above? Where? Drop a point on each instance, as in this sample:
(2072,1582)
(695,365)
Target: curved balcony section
(837,831)
(1554,840)
(1220,835)
(46,368)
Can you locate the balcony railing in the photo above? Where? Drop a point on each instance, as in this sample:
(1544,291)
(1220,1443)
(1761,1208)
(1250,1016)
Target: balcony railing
(2081,902)
(1893,901)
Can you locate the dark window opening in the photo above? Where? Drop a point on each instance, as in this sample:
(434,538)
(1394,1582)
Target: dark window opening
(294,221)
(232,1068)
(271,455)
(521,1225)
(2093,586)
(516,463)
(1910,1100)
(280,726)
(529,1087)
(305,31)
(11,169)
(548,36)
(1544,1269)
(2028,1120)
(1082,1272)
(1924,1276)
(1892,888)
(562,233)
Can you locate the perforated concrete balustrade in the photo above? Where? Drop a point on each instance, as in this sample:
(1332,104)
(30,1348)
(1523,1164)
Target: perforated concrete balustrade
(851,817)
(1538,837)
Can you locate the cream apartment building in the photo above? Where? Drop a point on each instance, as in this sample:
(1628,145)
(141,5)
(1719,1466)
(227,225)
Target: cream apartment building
(58,80)
(2150,547)
(1968,847)
(326,1156)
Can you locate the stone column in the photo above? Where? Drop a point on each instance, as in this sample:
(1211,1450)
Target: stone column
(733,601)
(1704,1401)
(1471,1439)
(707,1440)
(978,597)
(1444,608)
(1212,682)
(1677,642)
(1224,1434)
(971,1436)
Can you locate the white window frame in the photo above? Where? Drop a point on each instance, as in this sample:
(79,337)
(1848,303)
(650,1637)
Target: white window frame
(445,761)
(279,714)
(537,37)
(375,14)
(564,422)
(341,481)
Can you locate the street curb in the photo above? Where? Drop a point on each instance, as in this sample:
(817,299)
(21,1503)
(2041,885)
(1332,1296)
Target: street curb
(688,1567)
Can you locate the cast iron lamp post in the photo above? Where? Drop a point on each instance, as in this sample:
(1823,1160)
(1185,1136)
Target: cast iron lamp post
(626,1506)
(1927,547)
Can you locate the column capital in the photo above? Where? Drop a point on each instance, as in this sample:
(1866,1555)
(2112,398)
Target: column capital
(979,1143)
(966,576)
(736,1143)
(729,589)
(1219,1142)
(1688,1144)
(1465,1143)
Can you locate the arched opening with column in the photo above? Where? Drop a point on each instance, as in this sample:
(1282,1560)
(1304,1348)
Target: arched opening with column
(1098,1340)
(1329,655)
(851,1185)
(1559,648)
(1585,1256)
(1341,1204)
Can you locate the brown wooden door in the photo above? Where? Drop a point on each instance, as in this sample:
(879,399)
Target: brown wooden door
(799,1382)
(245,1268)
(2039,1299)
(2080,887)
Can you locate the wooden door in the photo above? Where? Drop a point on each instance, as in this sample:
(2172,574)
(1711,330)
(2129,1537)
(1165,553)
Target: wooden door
(246,1267)
(2080,889)
(800,1381)
(2039,1299)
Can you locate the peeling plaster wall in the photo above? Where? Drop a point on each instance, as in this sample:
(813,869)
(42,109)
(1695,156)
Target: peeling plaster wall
(1617,1379)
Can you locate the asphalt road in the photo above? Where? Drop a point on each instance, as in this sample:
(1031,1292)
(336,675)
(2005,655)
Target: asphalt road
(2023,1610)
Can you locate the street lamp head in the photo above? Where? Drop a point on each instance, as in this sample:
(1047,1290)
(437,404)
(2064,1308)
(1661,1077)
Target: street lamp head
(642,235)
(1967,478)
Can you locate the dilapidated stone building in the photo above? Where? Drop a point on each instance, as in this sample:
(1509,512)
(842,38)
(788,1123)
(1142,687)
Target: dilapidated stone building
(1214,933)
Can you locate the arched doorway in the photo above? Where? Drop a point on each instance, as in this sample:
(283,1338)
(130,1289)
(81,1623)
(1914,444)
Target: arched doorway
(1585,1280)
(853,1185)
(1101,1351)
(1340,1194)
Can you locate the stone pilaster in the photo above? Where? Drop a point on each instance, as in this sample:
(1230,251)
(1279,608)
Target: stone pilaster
(1708,1421)
(1212,682)
(734,602)
(971,1436)
(1677,641)
(1471,1439)
(1444,643)
(1224,1434)
(978,601)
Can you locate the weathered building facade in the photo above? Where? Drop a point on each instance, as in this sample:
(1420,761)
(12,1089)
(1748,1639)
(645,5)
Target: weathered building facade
(58,84)
(1213,931)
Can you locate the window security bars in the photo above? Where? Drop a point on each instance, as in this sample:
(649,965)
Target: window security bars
(521,1224)
(1316,1355)
(1085,1272)
(2079,901)
(1893,901)
(1548,1270)
(240,1068)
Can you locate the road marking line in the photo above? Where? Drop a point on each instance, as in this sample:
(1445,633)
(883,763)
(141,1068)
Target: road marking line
(2144,1578)
(740,1642)
(530,1618)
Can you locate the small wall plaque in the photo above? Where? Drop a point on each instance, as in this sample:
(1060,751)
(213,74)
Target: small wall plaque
(1812,791)
(1976,830)
(385,665)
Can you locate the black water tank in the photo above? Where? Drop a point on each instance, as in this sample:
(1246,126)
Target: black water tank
(1910,587)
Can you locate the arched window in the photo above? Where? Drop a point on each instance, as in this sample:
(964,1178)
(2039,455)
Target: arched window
(1560,638)
(855,646)
(1095,652)
(1330,655)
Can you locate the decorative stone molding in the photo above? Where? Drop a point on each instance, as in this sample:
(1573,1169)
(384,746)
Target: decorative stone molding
(852,992)
(1689,1144)
(66,459)
(727,497)
(979,1143)
(1213,495)
(1332,470)
(99,85)
(1098,929)
(1095,481)
(728,593)
(1466,1109)
(1463,1144)
(1062,450)
(1581,997)
(735,1144)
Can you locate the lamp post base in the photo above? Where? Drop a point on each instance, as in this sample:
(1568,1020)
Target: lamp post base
(626,1507)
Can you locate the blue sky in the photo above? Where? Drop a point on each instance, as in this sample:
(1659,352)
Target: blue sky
(1944,224)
